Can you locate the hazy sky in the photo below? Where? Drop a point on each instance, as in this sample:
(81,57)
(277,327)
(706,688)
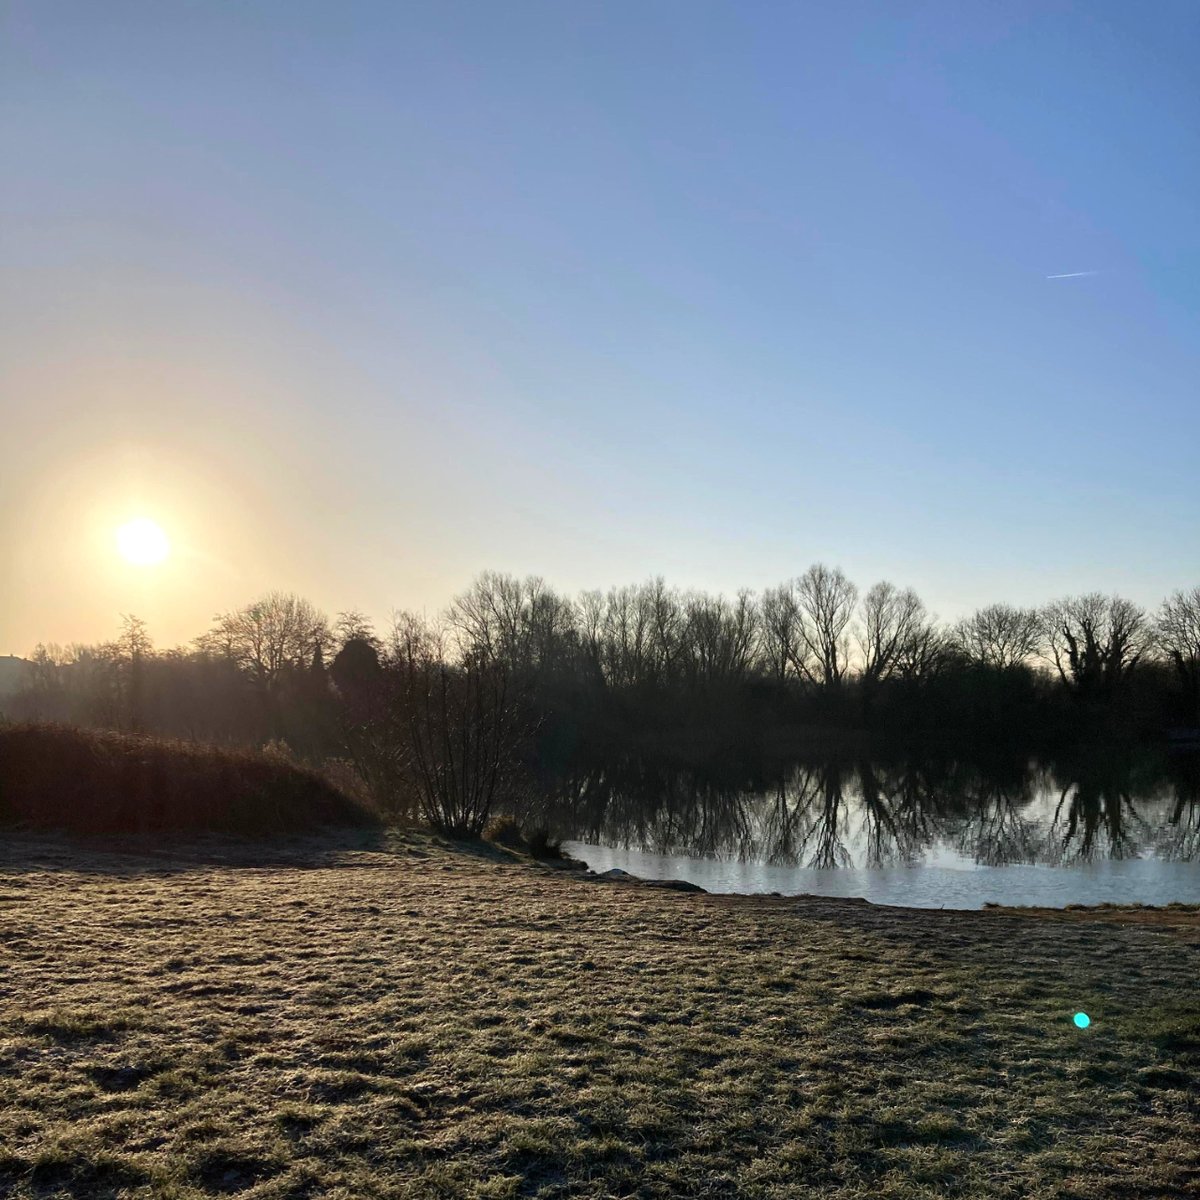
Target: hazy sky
(359,299)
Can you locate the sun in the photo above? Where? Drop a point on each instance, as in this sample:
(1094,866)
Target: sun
(143,542)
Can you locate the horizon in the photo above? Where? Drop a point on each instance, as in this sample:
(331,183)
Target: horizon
(382,624)
(358,304)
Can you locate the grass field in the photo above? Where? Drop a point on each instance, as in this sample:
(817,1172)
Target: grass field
(403,1018)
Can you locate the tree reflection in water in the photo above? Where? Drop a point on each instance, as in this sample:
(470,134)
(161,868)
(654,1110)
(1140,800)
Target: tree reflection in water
(839,811)
(1179,839)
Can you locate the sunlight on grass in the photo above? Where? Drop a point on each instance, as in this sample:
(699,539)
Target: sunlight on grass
(378,1021)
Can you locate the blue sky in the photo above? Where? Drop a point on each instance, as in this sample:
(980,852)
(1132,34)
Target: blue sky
(360,299)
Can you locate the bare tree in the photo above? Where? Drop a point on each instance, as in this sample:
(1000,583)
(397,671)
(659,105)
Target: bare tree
(626,631)
(721,637)
(462,732)
(1000,635)
(553,638)
(924,652)
(43,692)
(486,618)
(590,623)
(662,609)
(783,651)
(1177,632)
(1095,642)
(826,601)
(133,648)
(267,639)
(521,623)
(94,692)
(894,625)
(412,636)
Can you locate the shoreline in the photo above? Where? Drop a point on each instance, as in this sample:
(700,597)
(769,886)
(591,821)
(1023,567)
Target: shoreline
(62,851)
(1164,917)
(1135,911)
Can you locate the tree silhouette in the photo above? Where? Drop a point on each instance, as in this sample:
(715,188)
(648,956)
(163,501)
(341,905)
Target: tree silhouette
(1095,642)
(825,598)
(1177,631)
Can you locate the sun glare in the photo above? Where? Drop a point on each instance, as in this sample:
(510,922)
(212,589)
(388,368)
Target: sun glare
(143,542)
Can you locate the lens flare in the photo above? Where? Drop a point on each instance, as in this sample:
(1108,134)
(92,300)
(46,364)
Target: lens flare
(1082,1020)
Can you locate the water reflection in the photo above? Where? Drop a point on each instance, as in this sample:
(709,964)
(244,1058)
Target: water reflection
(840,812)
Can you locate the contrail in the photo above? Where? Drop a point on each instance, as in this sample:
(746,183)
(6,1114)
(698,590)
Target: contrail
(1072,274)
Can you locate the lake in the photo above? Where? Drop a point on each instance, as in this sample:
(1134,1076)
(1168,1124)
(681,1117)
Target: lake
(928,834)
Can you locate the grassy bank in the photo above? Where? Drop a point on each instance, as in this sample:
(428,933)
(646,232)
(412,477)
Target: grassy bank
(412,1020)
(91,781)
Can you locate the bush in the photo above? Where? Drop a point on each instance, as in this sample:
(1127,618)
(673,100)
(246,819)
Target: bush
(82,781)
(504,831)
(340,774)
(542,845)
(463,731)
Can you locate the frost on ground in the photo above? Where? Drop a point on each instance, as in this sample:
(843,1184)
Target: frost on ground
(405,1018)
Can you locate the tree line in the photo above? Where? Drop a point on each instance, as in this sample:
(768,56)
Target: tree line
(513,670)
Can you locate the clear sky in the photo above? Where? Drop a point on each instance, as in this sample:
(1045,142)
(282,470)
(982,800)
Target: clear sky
(357,300)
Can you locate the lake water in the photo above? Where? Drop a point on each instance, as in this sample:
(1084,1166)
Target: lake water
(927,835)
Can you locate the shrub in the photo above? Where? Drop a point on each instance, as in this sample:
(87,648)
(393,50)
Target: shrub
(340,774)
(504,831)
(463,729)
(542,845)
(82,781)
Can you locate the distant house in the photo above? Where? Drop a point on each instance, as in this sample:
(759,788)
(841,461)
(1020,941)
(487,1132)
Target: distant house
(13,673)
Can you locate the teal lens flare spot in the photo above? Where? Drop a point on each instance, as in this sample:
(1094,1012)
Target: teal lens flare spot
(1082,1020)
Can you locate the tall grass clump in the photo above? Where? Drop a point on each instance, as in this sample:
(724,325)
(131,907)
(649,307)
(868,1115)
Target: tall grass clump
(86,781)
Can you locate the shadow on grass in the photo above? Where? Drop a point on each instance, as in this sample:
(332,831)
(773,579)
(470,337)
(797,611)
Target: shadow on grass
(22,851)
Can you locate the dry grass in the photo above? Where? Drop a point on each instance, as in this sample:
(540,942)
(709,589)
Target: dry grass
(413,1020)
(100,781)
(1181,919)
